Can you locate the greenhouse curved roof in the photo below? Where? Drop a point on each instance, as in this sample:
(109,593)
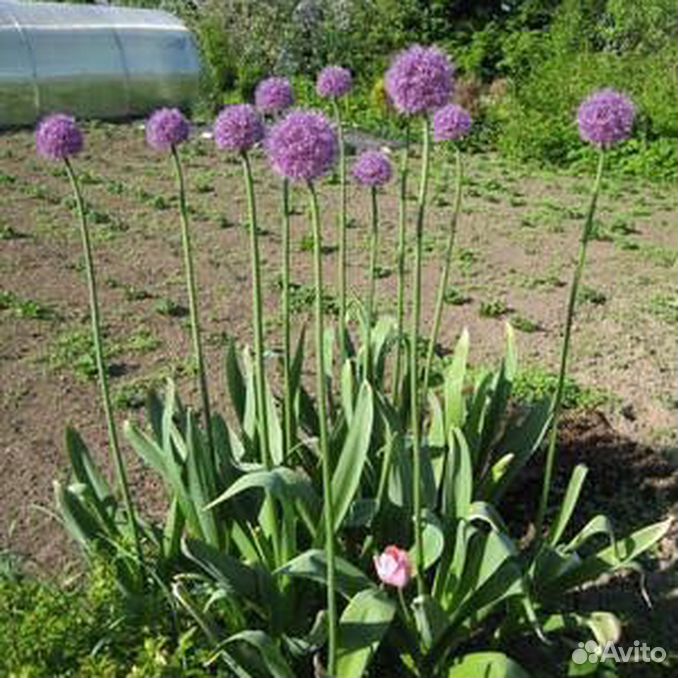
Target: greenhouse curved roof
(92,61)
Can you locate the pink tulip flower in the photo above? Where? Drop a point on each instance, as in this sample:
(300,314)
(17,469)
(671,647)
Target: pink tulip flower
(393,567)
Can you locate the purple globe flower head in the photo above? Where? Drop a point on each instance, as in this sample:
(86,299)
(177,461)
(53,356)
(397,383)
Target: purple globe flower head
(451,123)
(302,146)
(420,80)
(334,82)
(238,128)
(167,127)
(606,118)
(372,168)
(58,137)
(274,95)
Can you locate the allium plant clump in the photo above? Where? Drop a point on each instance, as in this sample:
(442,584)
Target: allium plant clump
(372,532)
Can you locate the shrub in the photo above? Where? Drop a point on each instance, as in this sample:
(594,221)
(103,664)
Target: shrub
(581,52)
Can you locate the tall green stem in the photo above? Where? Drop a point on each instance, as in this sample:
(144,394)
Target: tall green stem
(343,220)
(193,299)
(402,232)
(445,273)
(374,246)
(101,367)
(414,363)
(324,442)
(287,333)
(560,386)
(257,313)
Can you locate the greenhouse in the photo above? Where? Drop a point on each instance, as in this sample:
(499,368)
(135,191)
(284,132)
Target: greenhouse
(93,61)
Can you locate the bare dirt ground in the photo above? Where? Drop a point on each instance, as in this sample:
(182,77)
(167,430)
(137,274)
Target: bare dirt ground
(515,251)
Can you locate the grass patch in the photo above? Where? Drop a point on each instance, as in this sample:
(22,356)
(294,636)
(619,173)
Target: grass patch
(74,350)
(496,308)
(664,307)
(8,232)
(132,394)
(455,297)
(302,298)
(26,308)
(170,308)
(524,324)
(589,295)
(536,383)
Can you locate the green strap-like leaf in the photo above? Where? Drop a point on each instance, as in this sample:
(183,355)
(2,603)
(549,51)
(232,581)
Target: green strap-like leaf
(348,388)
(622,553)
(458,480)
(599,524)
(275,435)
(430,618)
(455,376)
(235,380)
(433,540)
(521,440)
(268,651)
(362,626)
(84,468)
(283,483)
(349,469)
(569,503)
(236,578)
(312,565)
(486,665)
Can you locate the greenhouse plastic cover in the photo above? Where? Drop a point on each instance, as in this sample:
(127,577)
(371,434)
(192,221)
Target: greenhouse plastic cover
(92,61)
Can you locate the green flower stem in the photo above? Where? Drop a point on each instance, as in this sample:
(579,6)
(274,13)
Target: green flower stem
(101,367)
(324,442)
(193,299)
(414,366)
(560,387)
(402,232)
(257,312)
(287,334)
(445,273)
(259,373)
(407,615)
(342,231)
(374,244)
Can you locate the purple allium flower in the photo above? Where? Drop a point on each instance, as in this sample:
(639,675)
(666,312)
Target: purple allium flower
(274,95)
(334,82)
(167,127)
(58,137)
(420,80)
(238,128)
(372,168)
(302,146)
(606,118)
(451,123)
